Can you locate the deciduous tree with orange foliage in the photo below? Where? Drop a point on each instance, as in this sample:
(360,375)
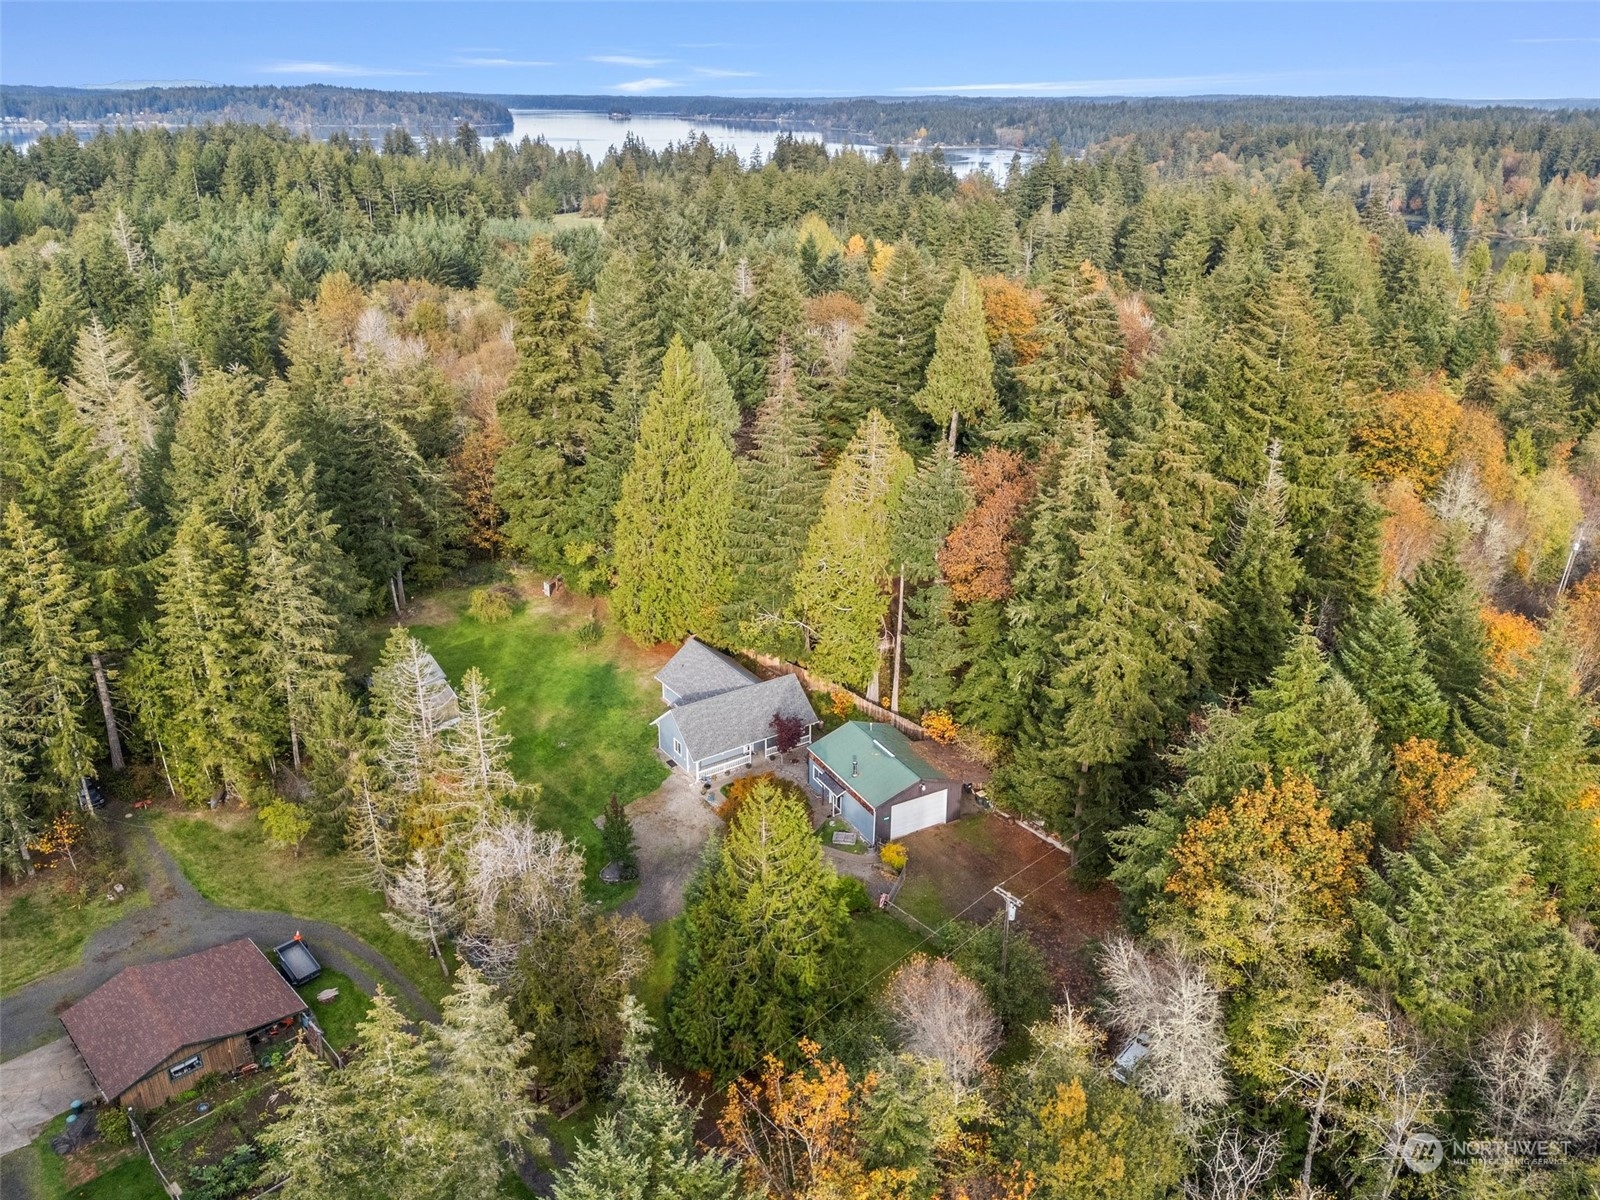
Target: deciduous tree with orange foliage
(1012,311)
(1408,435)
(976,558)
(1427,781)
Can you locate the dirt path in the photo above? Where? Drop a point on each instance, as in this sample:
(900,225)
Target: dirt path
(179,921)
(671,827)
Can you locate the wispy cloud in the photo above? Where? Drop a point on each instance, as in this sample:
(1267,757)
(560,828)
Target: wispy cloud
(645,85)
(723,73)
(627,60)
(348,70)
(1092,87)
(499,62)
(1557,41)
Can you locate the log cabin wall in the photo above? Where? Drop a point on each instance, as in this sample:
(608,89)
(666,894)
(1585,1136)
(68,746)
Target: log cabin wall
(156,1088)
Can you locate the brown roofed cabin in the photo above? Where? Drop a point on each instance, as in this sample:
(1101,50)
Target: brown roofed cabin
(152,1031)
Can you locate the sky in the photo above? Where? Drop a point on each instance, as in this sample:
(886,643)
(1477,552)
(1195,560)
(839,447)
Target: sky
(1472,51)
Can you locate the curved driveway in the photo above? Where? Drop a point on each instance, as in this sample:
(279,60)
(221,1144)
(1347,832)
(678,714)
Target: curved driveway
(178,920)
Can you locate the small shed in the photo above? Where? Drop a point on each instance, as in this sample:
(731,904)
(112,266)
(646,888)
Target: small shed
(152,1031)
(871,776)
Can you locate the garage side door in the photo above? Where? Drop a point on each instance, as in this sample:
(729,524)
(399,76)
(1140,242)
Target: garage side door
(912,815)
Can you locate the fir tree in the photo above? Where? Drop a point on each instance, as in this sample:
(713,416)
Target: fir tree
(45,614)
(780,489)
(1447,608)
(18,793)
(476,754)
(841,588)
(1075,371)
(960,376)
(1258,582)
(113,399)
(721,404)
(616,838)
(423,904)
(549,410)
(411,703)
(763,930)
(672,548)
(1379,654)
(890,357)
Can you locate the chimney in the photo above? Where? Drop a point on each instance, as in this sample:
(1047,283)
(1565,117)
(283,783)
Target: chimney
(855,766)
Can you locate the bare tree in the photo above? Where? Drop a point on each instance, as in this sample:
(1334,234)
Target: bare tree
(476,752)
(1231,1166)
(1334,1049)
(941,1014)
(1536,1085)
(423,904)
(519,880)
(1169,1001)
(1402,1096)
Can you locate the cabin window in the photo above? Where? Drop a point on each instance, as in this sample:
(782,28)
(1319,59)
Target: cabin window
(677,747)
(179,1070)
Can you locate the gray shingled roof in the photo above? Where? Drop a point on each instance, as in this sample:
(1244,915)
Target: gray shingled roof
(732,719)
(697,671)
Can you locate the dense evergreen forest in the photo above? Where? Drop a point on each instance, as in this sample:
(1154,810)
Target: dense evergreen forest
(319,108)
(1240,486)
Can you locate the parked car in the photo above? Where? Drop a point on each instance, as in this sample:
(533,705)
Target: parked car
(89,794)
(1134,1053)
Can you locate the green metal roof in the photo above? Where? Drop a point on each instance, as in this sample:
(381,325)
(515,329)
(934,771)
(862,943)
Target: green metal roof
(876,761)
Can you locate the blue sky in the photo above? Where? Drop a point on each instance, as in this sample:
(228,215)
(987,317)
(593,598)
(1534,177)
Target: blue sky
(1454,50)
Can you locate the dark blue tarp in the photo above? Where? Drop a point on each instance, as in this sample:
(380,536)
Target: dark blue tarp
(298,963)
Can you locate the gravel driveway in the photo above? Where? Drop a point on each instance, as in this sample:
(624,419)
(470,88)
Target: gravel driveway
(671,827)
(179,921)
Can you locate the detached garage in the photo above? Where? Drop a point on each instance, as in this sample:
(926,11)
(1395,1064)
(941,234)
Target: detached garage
(872,777)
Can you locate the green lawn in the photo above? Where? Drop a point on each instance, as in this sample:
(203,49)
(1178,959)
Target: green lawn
(43,929)
(39,1171)
(229,863)
(579,719)
(666,944)
(339,1017)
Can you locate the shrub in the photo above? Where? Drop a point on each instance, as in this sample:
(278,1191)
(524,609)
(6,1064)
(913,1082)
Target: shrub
(490,604)
(844,705)
(738,791)
(788,731)
(854,894)
(590,633)
(114,1126)
(940,726)
(893,856)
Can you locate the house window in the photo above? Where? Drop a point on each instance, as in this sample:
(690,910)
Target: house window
(677,748)
(179,1070)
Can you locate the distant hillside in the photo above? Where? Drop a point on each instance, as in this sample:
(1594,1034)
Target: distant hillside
(316,108)
(1075,123)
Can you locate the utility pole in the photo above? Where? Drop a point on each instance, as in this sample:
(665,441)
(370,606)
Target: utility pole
(1012,905)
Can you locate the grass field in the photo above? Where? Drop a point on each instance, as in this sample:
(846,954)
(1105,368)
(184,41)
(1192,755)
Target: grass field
(579,718)
(39,1172)
(43,929)
(229,863)
(339,1017)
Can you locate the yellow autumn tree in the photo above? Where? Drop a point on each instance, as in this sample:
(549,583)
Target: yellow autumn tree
(1408,435)
(1427,781)
(1512,638)
(1261,886)
(1410,530)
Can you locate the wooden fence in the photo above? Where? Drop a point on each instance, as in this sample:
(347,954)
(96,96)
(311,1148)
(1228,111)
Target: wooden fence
(815,683)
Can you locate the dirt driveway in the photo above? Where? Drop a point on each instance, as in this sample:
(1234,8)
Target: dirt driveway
(961,863)
(34,1087)
(671,828)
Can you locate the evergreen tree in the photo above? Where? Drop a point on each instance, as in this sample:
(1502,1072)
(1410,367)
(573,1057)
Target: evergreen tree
(113,399)
(411,703)
(1447,608)
(1533,727)
(1075,372)
(721,404)
(1451,928)
(217,706)
(672,538)
(931,504)
(890,357)
(841,588)
(763,931)
(548,412)
(1258,582)
(960,376)
(616,838)
(1379,654)
(18,794)
(477,775)
(45,615)
(780,489)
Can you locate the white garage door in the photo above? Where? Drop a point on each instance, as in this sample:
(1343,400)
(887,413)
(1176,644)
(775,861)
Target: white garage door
(912,815)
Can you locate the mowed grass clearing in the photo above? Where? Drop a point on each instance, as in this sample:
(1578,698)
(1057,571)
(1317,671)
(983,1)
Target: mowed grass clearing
(44,927)
(229,862)
(579,718)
